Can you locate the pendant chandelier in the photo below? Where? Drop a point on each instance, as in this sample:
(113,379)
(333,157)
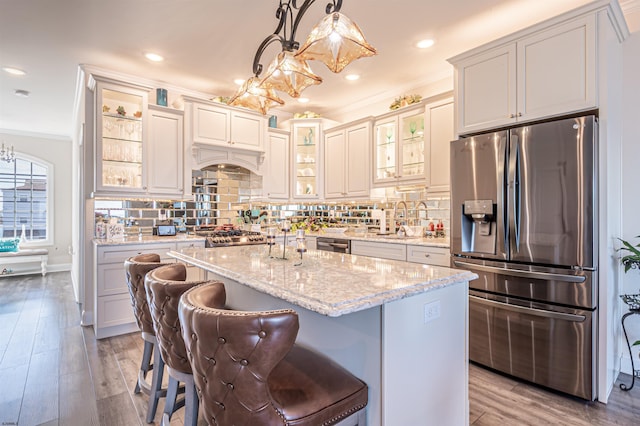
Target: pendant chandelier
(336,41)
(7,154)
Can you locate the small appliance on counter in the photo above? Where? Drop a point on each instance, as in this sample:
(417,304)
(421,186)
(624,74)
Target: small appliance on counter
(164,230)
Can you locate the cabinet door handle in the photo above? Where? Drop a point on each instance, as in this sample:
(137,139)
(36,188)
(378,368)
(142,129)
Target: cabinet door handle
(512,116)
(519,114)
(427,255)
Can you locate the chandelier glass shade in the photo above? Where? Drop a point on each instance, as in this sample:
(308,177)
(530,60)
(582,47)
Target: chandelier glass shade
(254,97)
(336,41)
(7,154)
(289,74)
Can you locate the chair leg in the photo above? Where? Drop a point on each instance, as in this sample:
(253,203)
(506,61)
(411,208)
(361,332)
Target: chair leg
(145,367)
(170,400)
(156,386)
(191,405)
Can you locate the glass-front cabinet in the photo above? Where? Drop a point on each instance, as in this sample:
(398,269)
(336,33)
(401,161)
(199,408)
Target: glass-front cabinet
(120,131)
(399,147)
(307,137)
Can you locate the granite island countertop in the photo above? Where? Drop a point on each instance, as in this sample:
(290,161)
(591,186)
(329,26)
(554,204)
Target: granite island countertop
(331,284)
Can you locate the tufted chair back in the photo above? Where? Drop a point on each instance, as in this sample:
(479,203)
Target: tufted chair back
(164,287)
(136,268)
(232,354)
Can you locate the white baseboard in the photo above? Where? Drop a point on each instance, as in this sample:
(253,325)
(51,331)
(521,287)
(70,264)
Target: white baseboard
(58,267)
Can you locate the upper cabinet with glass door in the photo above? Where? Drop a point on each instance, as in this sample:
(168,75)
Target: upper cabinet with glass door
(399,147)
(307,138)
(120,128)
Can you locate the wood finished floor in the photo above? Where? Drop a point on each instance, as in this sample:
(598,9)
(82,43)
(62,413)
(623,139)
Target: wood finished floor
(54,372)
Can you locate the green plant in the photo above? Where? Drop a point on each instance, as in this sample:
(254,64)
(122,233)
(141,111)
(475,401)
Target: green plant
(632,260)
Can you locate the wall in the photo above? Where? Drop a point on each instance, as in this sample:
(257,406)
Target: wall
(56,151)
(631,195)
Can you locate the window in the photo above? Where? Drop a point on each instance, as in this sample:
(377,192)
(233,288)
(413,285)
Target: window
(25,198)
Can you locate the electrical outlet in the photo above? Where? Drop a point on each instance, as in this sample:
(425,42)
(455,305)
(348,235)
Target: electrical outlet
(431,311)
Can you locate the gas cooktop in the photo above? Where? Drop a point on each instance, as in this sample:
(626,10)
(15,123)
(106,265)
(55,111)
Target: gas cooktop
(230,237)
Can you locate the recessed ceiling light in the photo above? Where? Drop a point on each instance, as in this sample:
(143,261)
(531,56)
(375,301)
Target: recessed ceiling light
(352,77)
(153,57)
(239,81)
(303,100)
(13,71)
(424,44)
(21,93)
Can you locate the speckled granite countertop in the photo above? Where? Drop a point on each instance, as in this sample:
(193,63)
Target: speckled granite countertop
(389,238)
(331,284)
(148,239)
(392,239)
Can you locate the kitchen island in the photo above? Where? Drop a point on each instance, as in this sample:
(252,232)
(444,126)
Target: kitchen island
(400,327)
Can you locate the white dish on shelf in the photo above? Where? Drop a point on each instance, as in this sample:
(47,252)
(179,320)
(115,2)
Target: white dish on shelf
(335,230)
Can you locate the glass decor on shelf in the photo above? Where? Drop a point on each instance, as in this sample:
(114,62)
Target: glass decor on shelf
(399,148)
(121,139)
(306,153)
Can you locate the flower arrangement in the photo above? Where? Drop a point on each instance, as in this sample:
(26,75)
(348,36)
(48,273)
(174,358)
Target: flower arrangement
(221,99)
(310,224)
(306,114)
(121,110)
(405,100)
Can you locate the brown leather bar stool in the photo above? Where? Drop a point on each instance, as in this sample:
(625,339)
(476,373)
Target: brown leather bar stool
(248,371)
(136,268)
(164,287)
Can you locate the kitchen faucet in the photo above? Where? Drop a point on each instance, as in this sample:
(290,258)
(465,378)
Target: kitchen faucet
(404,216)
(426,209)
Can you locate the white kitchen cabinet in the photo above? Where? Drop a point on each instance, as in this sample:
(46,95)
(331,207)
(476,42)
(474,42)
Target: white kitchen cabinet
(428,255)
(346,165)
(398,155)
(379,249)
(217,124)
(307,159)
(120,131)
(277,163)
(546,72)
(112,304)
(439,132)
(164,156)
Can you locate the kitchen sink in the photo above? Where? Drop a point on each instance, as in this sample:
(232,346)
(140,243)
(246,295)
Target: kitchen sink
(399,237)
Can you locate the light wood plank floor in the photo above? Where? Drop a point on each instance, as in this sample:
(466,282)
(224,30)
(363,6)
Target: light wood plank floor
(54,372)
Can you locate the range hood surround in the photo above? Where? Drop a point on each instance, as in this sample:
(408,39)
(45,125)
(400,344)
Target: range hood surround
(204,155)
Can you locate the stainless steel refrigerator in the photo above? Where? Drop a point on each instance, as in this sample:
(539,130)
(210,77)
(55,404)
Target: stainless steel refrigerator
(523,209)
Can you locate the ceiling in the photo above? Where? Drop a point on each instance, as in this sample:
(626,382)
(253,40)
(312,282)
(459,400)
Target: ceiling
(209,43)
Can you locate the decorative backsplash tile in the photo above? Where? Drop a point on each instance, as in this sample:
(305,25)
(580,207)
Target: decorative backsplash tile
(227,195)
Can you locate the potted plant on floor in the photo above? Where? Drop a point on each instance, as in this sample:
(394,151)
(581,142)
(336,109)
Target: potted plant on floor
(631,260)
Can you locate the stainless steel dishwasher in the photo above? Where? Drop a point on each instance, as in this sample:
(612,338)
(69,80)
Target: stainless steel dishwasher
(337,245)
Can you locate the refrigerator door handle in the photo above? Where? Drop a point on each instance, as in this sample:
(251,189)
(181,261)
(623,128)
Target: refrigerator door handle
(511,188)
(523,274)
(503,165)
(528,311)
(516,194)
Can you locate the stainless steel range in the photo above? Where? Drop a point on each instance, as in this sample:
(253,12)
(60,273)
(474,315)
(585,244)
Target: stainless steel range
(223,236)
